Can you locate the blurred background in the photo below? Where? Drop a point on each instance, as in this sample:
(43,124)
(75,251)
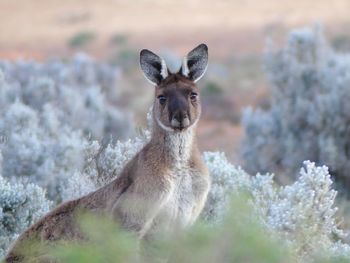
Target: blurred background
(114,31)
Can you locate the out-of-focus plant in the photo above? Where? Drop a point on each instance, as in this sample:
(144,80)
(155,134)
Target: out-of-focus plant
(341,42)
(240,237)
(20,206)
(119,39)
(39,148)
(106,243)
(50,115)
(81,39)
(83,91)
(125,58)
(50,112)
(309,114)
(303,215)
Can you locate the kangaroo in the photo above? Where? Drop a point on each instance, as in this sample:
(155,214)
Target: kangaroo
(165,186)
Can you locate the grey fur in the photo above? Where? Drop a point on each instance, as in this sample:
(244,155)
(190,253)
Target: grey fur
(195,63)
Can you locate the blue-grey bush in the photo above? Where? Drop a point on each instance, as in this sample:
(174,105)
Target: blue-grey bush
(309,116)
(50,112)
(83,90)
(21,205)
(54,118)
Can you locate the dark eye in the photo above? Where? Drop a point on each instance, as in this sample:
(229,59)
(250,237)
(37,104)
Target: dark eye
(193,96)
(161,99)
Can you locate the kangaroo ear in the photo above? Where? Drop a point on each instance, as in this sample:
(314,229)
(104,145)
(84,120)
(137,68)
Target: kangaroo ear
(153,67)
(195,63)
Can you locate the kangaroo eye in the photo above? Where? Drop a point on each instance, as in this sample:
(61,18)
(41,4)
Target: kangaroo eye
(161,99)
(193,96)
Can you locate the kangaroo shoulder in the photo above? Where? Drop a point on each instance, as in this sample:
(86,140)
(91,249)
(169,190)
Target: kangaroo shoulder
(49,227)
(62,216)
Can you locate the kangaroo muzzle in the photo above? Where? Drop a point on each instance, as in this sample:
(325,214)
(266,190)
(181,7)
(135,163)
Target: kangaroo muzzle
(180,120)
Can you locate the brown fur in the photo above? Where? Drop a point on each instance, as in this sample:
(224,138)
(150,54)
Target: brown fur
(164,186)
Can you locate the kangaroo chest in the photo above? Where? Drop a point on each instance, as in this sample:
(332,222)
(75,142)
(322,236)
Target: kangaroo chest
(178,210)
(179,207)
(182,199)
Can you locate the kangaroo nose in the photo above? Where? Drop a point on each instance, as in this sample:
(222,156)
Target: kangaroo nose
(180,115)
(180,120)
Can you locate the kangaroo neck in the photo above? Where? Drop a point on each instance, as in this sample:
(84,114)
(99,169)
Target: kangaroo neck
(174,146)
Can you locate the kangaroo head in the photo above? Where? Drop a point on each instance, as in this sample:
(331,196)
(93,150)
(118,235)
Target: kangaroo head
(176,104)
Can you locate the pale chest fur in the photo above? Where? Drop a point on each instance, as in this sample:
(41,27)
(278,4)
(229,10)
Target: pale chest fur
(179,208)
(182,199)
(177,212)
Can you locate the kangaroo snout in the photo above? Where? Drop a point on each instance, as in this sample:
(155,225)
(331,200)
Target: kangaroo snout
(180,120)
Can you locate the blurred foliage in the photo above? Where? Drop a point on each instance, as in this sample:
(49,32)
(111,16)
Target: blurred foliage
(46,115)
(341,42)
(309,114)
(246,72)
(119,39)
(107,243)
(211,88)
(81,39)
(125,58)
(238,239)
